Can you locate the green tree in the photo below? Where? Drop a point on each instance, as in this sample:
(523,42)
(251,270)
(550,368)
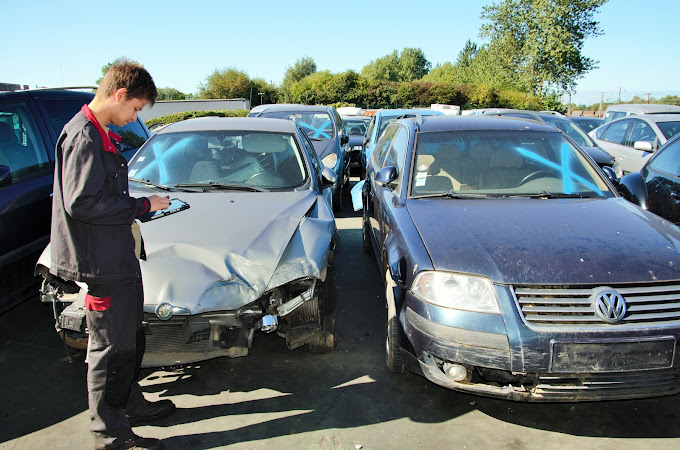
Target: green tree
(302,68)
(268,90)
(168,93)
(226,83)
(410,65)
(541,40)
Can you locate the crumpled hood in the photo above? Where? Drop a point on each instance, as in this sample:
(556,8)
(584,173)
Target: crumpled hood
(229,247)
(324,148)
(533,241)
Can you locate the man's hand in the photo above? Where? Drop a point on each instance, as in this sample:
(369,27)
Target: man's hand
(158,202)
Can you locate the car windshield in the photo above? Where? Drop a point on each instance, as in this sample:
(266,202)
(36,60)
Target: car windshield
(354,127)
(669,129)
(570,129)
(220,159)
(498,163)
(317,125)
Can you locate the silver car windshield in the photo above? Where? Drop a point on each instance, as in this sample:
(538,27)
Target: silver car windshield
(496,163)
(228,158)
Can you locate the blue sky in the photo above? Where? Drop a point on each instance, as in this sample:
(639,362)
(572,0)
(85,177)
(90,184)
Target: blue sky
(181,43)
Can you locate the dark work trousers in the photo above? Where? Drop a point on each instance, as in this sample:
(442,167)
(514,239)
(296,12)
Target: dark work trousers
(115,352)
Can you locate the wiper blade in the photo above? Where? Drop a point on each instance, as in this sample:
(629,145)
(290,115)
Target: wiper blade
(149,183)
(546,194)
(232,187)
(453,194)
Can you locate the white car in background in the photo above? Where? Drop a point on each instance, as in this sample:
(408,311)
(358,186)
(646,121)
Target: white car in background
(631,140)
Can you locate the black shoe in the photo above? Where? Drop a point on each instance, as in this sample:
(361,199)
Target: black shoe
(137,442)
(155,411)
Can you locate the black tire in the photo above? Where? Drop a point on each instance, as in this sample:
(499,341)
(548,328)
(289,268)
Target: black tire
(337,200)
(324,341)
(393,357)
(365,237)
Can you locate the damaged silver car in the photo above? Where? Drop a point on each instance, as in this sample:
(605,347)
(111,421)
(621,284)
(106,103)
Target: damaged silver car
(253,252)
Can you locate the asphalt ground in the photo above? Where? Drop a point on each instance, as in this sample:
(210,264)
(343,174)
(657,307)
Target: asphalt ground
(278,398)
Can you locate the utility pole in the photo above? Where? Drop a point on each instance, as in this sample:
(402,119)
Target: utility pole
(619,100)
(599,113)
(648,94)
(569,109)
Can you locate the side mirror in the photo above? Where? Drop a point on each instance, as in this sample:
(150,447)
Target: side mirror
(611,175)
(328,177)
(344,139)
(386,175)
(645,146)
(5,176)
(633,188)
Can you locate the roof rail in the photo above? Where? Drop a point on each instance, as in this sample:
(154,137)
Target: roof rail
(64,88)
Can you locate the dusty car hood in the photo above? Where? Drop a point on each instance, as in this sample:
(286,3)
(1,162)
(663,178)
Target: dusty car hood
(557,241)
(324,148)
(230,247)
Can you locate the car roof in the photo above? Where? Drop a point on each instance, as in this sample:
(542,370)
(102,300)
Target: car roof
(644,108)
(289,107)
(650,118)
(481,123)
(229,123)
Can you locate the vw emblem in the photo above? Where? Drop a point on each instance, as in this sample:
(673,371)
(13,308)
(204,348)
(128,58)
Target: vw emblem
(610,306)
(164,311)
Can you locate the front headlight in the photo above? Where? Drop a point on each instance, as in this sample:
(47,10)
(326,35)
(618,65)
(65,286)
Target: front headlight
(330,160)
(451,290)
(357,148)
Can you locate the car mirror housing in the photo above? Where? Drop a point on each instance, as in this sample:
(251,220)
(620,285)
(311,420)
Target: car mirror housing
(344,139)
(386,175)
(611,175)
(632,187)
(645,146)
(328,177)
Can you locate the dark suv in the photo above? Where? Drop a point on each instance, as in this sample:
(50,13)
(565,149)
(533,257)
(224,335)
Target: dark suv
(30,123)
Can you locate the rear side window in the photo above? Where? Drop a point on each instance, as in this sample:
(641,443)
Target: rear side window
(61,111)
(616,132)
(21,146)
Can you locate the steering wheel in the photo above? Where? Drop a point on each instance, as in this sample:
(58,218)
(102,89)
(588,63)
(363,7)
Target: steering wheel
(534,175)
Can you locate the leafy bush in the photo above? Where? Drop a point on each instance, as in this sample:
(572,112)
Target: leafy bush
(178,117)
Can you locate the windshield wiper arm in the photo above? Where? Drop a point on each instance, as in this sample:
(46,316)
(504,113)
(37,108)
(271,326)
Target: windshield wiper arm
(233,187)
(453,194)
(546,194)
(149,183)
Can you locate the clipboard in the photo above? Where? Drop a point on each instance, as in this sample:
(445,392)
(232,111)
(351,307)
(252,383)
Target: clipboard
(176,205)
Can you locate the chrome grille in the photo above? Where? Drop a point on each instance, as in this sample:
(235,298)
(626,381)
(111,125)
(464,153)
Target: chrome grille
(567,306)
(608,385)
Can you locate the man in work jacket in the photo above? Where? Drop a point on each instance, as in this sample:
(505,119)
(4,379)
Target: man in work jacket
(92,242)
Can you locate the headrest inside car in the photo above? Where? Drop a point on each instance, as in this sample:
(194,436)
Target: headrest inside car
(264,143)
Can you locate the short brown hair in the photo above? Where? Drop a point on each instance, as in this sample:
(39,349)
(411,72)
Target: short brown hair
(131,76)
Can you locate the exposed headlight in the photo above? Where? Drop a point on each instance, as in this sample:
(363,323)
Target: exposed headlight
(357,147)
(330,160)
(451,290)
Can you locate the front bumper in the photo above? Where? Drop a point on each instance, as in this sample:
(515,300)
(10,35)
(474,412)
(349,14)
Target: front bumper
(506,359)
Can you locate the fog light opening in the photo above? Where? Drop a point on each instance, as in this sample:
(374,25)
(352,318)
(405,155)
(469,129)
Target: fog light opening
(457,372)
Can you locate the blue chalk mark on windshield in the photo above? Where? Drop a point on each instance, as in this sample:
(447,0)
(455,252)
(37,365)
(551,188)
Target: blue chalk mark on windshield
(318,131)
(567,176)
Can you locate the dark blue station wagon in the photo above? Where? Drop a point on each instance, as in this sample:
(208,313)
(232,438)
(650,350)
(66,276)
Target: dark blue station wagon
(514,269)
